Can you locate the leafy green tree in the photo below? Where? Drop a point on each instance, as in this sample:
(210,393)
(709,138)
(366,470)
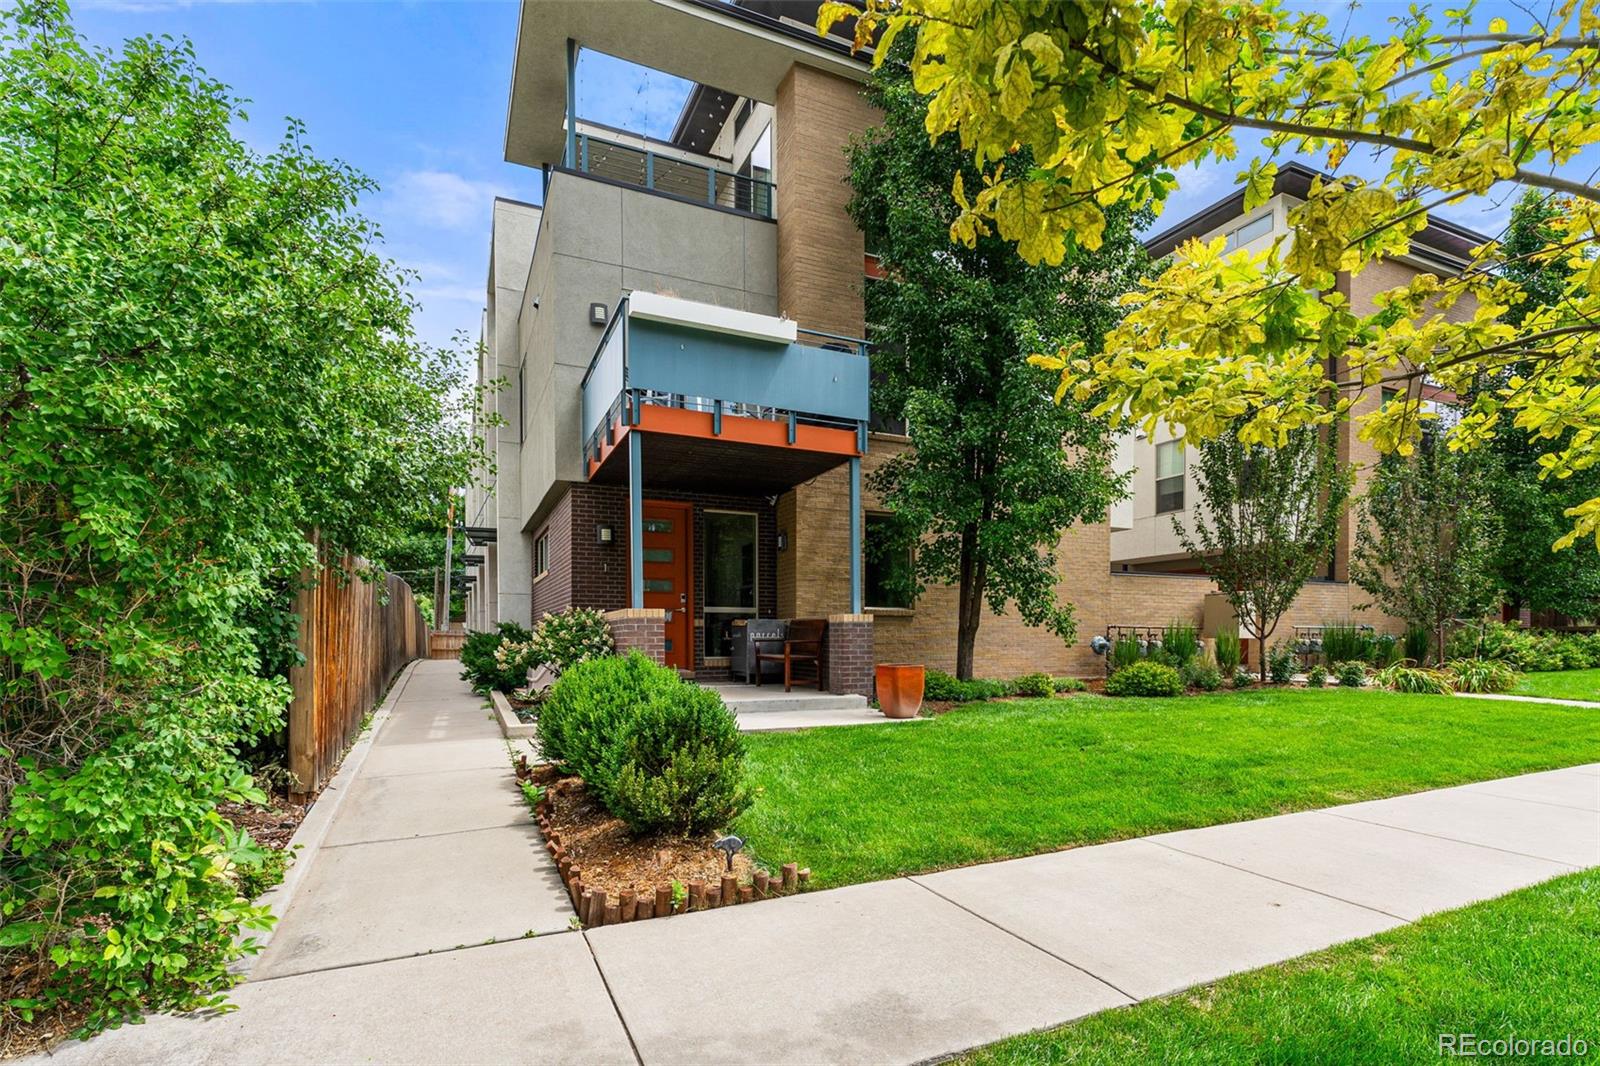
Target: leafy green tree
(1069,111)
(998,471)
(1424,547)
(1266,521)
(203,359)
(1533,509)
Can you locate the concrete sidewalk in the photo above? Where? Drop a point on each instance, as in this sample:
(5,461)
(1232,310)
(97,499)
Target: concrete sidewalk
(432,854)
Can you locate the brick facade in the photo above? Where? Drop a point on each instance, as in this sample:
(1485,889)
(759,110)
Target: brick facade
(848,656)
(643,630)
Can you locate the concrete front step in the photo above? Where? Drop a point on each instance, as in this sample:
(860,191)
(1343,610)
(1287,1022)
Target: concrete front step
(769,699)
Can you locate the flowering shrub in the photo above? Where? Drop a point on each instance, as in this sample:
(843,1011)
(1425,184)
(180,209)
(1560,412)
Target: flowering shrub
(562,641)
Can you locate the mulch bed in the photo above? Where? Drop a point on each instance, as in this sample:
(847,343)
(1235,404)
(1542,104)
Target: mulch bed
(269,826)
(614,876)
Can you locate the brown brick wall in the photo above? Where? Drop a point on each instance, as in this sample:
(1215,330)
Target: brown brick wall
(849,655)
(552,591)
(644,631)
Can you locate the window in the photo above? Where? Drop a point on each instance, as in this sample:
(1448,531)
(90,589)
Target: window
(1169,476)
(731,576)
(1253,230)
(887,581)
(541,555)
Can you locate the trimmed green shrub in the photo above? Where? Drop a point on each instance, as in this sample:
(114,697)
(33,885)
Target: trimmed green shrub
(1181,640)
(1350,674)
(1035,685)
(938,685)
(1242,678)
(1145,679)
(1070,684)
(1228,654)
(588,707)
(1202,674)
(1482,675)
(677,763)
(1344,642)
(565,639)
(1280,663)
(1317,676)
(1403,677)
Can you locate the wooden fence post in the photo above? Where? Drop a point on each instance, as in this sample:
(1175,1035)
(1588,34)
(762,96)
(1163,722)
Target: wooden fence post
(303,685)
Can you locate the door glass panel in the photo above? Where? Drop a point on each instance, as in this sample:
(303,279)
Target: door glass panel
(658,584)
(730,553)
(658,555)
(658,525)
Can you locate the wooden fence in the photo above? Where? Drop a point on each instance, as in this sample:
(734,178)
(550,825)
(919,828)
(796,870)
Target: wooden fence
(355,636)
(445,645)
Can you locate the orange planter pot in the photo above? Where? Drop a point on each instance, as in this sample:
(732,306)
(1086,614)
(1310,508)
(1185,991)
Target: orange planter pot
(900,689)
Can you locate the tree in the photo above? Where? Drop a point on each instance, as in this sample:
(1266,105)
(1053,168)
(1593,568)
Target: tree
(1423,549)
(1070,110)
(997,471)
(1531,508)
(1267,519)
(203,358)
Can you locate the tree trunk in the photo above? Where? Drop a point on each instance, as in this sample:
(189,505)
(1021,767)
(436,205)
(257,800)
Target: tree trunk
(970,611)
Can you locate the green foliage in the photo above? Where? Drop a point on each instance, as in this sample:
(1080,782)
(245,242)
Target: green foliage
(1346,642)
(1035,685)
(1523,649)
(1280,664)
(1317,676)
(1403,677)
(1414,644)
(1228,652)
(1070,684)
(1482,675)
(567,638)
(998,470)
(1242,678)
(496,659)
(1202,674)
(1145,678)
(587,707)
(1385,650)
(938,685)
(1422,546)
(677,763)
(532,794)
(1125,652)
(1266,520)
(203,356)
(1350,674)
(1181,640)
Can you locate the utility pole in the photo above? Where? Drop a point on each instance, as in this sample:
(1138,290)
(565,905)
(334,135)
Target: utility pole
(441,610)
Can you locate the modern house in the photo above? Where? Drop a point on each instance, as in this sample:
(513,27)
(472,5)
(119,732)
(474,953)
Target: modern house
(684,434)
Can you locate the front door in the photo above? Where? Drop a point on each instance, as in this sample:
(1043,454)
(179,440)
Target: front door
(667,571)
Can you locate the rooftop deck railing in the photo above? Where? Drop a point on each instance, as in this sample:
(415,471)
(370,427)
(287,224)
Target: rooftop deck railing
(674,176)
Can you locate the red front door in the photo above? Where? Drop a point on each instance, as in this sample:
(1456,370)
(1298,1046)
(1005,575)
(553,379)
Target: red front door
(667,581)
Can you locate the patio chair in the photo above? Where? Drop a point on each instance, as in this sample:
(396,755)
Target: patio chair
(801,647)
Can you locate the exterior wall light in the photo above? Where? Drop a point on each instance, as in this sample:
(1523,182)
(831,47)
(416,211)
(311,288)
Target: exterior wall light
(783,540)
(597,314)
(602,534)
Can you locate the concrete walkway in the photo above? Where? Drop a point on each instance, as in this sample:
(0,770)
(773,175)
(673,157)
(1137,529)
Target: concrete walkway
(430,852)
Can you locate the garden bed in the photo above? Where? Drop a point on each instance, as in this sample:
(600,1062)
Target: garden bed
(615,876)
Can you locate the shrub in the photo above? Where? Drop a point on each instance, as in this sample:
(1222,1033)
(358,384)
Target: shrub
(1346,642)
(939,685)
(1125,652)
(1181,640)
(1070,684)
(1228,652)
(562,641)
(1201,674)
(1145,679)
(677,763)
(1482,675)
(1317,676)
(482,665)
(1280,664)
(1403,677)
(588,706)
(1417,641)
(1385,650)
(1350,674)
(1035,685)
(1242,678)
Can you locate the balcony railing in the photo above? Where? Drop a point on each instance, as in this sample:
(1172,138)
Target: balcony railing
(674,176)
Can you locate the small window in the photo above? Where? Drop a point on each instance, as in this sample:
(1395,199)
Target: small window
(1169,476)
(1253,230)
(541,555)
(888,577)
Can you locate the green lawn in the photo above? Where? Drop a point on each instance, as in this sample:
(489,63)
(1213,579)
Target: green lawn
(1524,965)
(1562,685)
(1013,778)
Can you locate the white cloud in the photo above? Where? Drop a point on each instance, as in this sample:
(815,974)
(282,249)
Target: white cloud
(441,199)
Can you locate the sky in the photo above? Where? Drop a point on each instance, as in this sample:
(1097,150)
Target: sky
(414,95)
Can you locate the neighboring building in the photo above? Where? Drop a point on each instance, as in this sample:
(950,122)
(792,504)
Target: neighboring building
(684,426)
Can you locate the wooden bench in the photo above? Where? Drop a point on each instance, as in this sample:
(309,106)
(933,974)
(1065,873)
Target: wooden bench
(802,647)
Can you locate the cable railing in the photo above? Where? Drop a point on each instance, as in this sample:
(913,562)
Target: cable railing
(675,177)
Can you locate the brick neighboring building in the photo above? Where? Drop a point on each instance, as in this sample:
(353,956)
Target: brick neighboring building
(685,419)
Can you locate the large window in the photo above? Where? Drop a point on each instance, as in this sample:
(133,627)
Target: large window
(731,582)
(1253,230)
(887,581)
(1169,476)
